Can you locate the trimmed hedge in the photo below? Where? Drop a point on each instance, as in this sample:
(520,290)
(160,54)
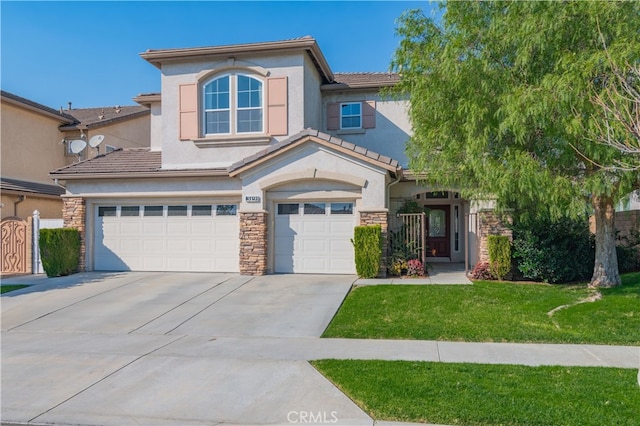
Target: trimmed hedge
(499,248)
(60,251)
(367,243)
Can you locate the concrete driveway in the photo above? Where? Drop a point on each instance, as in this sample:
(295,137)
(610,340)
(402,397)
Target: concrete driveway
(154,348)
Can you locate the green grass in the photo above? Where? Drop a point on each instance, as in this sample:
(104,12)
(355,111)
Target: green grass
(7,288)
(480,394)
(491,312)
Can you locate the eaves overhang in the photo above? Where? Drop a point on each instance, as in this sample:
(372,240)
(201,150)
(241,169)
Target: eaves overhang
(307,43)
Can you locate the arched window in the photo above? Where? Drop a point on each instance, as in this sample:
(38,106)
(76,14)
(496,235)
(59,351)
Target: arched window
(233,103)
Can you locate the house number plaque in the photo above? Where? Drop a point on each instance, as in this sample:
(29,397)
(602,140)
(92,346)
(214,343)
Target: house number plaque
(252,199)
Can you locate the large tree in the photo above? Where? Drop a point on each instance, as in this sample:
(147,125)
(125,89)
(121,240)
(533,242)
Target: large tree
(501,103)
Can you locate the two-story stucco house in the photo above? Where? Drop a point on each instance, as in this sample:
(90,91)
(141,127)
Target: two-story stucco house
(262,160)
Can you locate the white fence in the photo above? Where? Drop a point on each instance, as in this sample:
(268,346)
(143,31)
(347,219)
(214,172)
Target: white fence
(39,224)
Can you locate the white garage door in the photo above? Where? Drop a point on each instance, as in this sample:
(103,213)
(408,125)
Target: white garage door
(198,238)
(314,237)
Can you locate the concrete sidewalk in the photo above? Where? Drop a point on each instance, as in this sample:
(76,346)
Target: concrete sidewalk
(165,349)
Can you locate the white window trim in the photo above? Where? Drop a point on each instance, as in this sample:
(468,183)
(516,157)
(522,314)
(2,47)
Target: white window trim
(233,107)
(359,115)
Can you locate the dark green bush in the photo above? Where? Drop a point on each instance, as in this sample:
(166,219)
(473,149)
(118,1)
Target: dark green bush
(367,242)
(628,252)
(499,255)
(60,251)
(548,251)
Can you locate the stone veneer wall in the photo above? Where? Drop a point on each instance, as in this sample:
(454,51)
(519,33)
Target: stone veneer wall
(379,218)
(253,243)
(74,213)
(491,223)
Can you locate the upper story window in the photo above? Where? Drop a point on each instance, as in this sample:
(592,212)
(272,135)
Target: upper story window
(351,115)
(233,104)
(233,108)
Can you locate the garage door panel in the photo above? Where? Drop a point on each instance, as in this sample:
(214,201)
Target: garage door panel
(167,243)
(313,243)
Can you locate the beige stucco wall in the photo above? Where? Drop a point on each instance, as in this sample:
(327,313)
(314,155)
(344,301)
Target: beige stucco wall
(31,145)
(49,208)
(185,154)
(134,133)
(392,130)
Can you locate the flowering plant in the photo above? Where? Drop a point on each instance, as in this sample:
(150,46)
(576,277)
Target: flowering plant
(415,268)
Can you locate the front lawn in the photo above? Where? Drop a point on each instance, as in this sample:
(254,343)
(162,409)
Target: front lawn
(492,312)
(480,394)
(11,287)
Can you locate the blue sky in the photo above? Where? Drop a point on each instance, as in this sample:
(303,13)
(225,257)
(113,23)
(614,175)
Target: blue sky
(88,52)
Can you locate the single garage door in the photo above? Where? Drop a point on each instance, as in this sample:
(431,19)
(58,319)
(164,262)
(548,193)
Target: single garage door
(314,238)
(153,237)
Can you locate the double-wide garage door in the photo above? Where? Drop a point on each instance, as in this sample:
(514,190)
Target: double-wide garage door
(314,237)
(154,237)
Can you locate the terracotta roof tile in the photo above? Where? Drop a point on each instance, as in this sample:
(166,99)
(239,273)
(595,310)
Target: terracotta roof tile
(8,184)
(119,161)
(314,133)
(101,116)
(362,80)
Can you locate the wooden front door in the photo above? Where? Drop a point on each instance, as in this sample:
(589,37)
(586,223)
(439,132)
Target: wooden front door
(438,231)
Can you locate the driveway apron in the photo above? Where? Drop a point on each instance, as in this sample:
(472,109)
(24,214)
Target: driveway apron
(97,349)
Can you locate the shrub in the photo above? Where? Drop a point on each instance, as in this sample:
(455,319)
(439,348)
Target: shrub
(397,266)
(499,255)
(60,251)
(415,268)
(482,271)
(548,251)
(367,243)
(628,251)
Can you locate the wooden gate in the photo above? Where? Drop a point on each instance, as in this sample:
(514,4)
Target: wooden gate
(16,240)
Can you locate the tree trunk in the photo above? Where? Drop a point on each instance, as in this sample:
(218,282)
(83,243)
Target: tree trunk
(605,271)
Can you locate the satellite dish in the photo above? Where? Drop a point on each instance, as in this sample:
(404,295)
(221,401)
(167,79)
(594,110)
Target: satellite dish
(96,140)
(77,146)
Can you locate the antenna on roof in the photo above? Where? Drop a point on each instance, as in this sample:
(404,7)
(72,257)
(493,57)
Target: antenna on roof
(77,146)
(95,142)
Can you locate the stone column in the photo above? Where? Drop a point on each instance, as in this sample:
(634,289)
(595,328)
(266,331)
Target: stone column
(74,215)
(379,218)
(253,243)
(491,223)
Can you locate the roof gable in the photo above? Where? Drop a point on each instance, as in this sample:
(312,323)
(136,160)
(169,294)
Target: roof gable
(312,135)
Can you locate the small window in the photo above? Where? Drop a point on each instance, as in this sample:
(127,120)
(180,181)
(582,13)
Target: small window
(153,210)
(130,211)
(106,211)
(314,208)
(341,208)
(226,210)
(177,211)
(437,195)
(351,115)
(201,210)
(288,209)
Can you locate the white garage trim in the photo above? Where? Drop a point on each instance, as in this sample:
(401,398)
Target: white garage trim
(200,237)
(314,237)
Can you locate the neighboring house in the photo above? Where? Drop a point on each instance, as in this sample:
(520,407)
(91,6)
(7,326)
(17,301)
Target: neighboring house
(35,140)
(262,160)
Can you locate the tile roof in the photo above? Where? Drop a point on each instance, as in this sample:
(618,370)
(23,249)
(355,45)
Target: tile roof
(382,160)
(101,116)
(8,184)
(125,163)
(357,80)
(66,118)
